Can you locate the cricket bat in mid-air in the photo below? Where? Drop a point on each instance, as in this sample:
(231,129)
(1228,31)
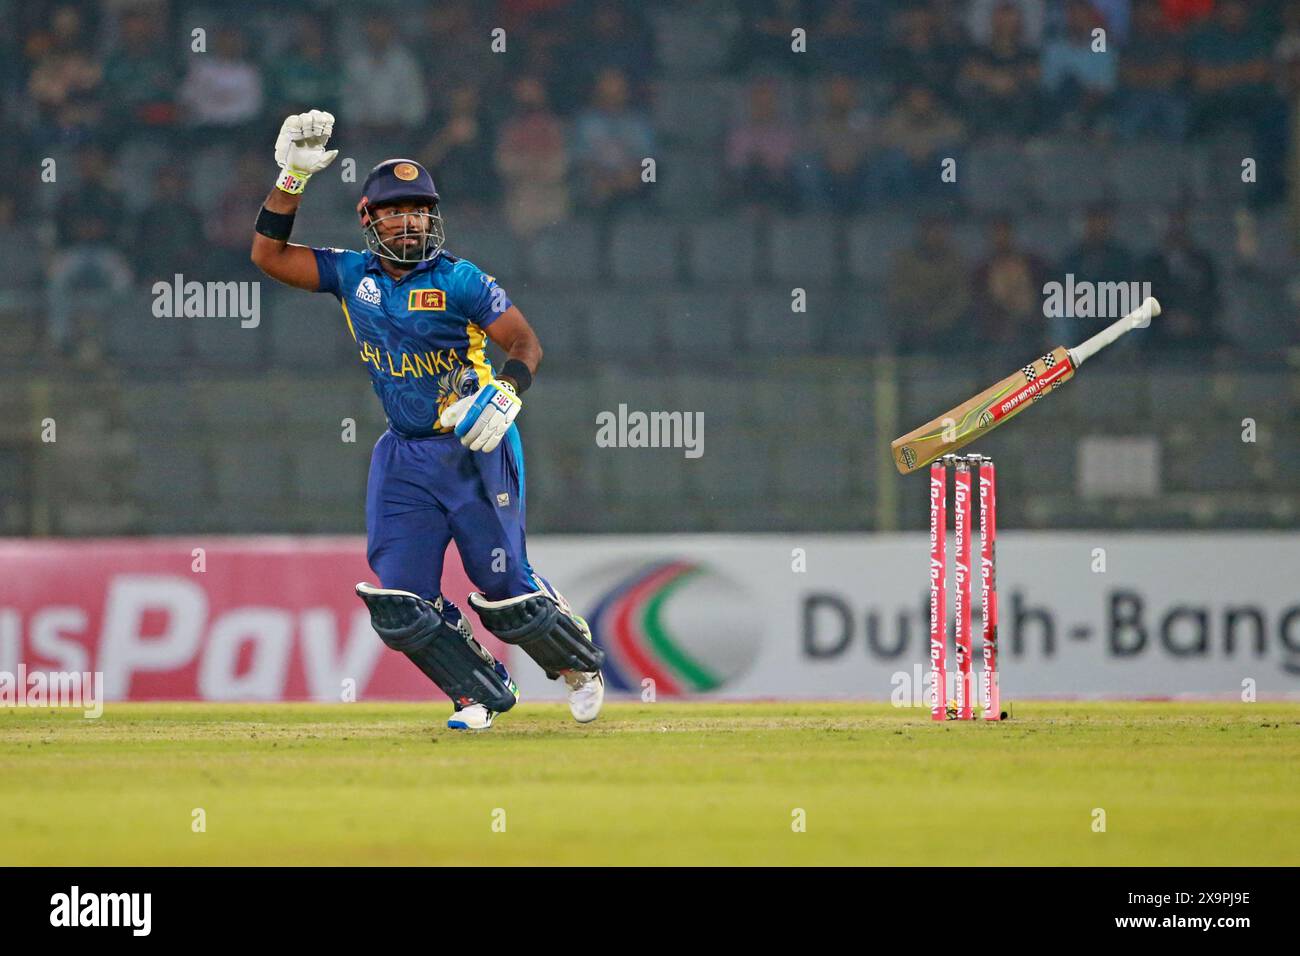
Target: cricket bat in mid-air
(993,406)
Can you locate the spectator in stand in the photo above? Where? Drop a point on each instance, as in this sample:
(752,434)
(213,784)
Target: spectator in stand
(226,227)
(532,162)
(1233,83)
(1188,288)
(982,20)
(223,87)
(451,45)
(460,151)
(951,17)
(623,39)
(140,78)
(929,291)
(919,53)
(167,235)
(305,75)
(762,44)
(1098,258)
(66,84)
(760,152)
(915,138)
(87,268)
(1232,70)
(841,140)
(609,143)
(542,30)
(385,97)
(1078,79)
(95,190)
(844,38)
(1006,288)
(90,272)
(614,36)
(998,82)
(1152,70)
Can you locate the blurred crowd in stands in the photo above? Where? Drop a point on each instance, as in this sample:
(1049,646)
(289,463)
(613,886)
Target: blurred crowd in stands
(167,151)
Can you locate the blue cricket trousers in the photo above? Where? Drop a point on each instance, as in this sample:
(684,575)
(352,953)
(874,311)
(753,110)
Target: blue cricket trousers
(424,493)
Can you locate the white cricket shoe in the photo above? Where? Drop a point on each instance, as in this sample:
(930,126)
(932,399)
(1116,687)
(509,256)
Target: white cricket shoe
(473,717)
(586,694)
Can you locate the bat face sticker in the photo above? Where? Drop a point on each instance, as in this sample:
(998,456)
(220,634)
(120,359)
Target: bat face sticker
(1005,399)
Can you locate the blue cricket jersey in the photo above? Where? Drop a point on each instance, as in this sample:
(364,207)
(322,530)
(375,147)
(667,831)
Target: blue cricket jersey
(421,337)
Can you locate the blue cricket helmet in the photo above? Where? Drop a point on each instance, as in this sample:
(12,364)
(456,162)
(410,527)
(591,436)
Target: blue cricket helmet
(398,180)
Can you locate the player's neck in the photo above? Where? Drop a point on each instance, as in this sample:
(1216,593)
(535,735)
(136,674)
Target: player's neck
(397,270)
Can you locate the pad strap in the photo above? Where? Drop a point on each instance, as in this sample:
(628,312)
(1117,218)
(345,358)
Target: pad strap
(556,639)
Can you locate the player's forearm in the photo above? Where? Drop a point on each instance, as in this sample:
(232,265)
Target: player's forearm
(525,349)
(281,204)
(273,253)
(523,356)
(513,335)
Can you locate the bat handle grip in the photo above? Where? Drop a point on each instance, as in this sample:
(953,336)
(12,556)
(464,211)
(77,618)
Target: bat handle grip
(1141,316)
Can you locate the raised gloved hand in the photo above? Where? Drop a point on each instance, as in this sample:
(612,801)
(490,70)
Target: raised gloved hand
(481,420)
(300,149)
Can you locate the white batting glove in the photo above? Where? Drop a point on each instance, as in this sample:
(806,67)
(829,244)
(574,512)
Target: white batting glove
(300,149)
(481,420)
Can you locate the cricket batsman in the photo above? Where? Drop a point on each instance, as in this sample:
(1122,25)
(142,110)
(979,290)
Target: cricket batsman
(450,466)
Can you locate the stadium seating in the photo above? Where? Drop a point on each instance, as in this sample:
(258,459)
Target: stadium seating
(724,251)
(644,250)
(680,301)
(566,253)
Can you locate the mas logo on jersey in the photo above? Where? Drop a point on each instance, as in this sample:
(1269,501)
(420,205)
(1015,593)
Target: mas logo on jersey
(367,291)
(680,623)
(427,300)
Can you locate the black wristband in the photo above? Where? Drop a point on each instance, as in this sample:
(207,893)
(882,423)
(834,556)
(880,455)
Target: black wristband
(517,371)
(274,225)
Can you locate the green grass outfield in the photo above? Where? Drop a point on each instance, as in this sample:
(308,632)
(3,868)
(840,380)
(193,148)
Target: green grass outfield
(667,783)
